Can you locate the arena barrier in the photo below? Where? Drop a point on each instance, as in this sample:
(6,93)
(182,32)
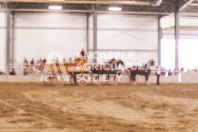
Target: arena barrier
(184,77)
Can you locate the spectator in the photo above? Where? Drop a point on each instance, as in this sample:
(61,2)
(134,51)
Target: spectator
(56,61)
(70,60)
(163,71)
(12,72)
(32,62)
(1,72)
(169,72)
(64,60)
(182,68)
(25,62)
(44,60)
(31,66)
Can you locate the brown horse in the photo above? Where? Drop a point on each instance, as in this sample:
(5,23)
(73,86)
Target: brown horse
(141,70)
(109,68)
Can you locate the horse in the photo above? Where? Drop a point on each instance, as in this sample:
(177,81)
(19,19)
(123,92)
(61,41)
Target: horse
(110,67)
(141,70)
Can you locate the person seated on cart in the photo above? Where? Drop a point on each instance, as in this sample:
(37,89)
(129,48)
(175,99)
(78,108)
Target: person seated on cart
(82,53)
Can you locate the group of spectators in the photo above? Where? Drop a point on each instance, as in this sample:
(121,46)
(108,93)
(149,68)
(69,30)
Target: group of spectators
(32,67)
(10,72)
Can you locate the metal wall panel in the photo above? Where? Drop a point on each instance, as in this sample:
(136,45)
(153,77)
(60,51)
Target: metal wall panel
(46,20)
(133,33)
(2,40)
(169,22)
(38,34)
(131,57)
(183,35)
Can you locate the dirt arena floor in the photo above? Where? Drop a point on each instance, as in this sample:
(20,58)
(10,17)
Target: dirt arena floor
(34,107)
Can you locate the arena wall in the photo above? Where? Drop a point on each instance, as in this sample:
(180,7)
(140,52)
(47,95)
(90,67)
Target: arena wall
(38,34)
(137,34)
(185,77)
(2,40)
(168,22)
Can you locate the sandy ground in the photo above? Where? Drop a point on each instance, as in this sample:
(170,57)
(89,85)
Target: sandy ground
(33,107)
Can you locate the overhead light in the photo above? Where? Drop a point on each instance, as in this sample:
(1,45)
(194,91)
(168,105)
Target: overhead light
(55,7)
(115,9)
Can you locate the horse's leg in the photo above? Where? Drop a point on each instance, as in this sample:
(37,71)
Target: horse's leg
(99,83)
(146,79)
(91,78)
(114,79)
(94,79)
(134,80)
(108,77)
(131,78)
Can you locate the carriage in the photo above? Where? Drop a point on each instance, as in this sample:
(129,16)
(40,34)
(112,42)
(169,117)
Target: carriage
(62,72)
(58,74)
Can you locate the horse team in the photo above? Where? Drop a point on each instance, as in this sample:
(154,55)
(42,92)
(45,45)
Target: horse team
(110,69)
(112,65)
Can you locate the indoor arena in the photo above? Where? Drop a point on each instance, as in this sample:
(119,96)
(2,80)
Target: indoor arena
(98,66)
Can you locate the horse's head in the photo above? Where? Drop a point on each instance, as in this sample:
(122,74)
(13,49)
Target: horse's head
(111,61)
(119,62)
(151,62)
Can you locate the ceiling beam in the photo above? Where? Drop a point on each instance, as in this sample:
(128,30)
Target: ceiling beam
(90,11)
(114,2)
(193,4)
(185,5)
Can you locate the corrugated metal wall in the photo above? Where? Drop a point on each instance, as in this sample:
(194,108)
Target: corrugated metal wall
(37,34)
(138,34)
(168,22)
(2,40)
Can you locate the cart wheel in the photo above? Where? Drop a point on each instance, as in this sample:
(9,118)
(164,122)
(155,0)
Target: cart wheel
(82,80)
(48,82)
(72,80)
(58,80)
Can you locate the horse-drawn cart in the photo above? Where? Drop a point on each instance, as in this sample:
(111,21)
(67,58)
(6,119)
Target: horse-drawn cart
(58,74)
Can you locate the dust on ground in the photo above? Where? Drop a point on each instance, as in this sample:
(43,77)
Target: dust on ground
(33,107)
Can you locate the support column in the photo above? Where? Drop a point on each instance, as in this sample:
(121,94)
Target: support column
(13,47)
(87,33)
(8,40)
(95,32)
(177,35)
(159,40)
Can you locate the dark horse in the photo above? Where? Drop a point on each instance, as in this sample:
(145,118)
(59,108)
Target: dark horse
(141,70)
(109,68)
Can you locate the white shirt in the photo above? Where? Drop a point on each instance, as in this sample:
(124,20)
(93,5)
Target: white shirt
(158,70)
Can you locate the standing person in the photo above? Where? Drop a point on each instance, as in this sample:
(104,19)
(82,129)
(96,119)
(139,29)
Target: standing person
(158,70)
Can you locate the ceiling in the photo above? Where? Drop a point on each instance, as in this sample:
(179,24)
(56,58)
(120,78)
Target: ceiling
(192,8)
(128,6)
